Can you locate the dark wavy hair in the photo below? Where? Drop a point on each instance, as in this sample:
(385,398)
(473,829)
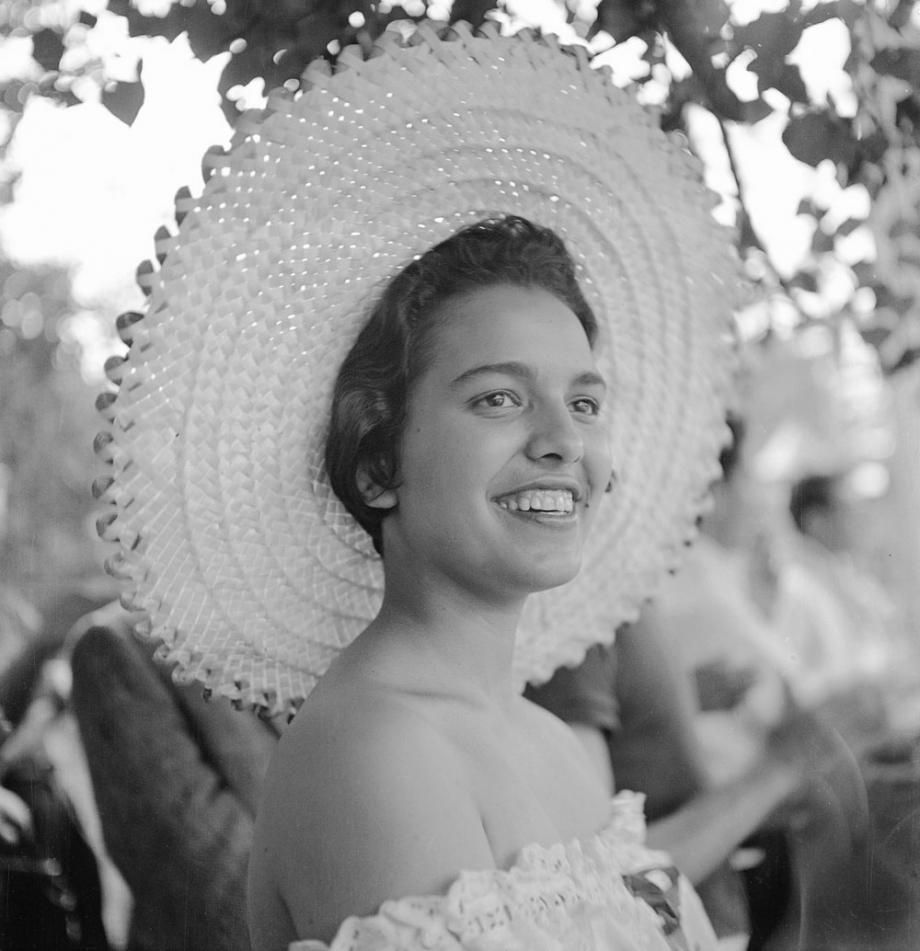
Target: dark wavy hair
(372,388)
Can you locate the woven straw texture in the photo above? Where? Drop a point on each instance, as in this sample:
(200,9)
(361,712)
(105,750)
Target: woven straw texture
(229,538)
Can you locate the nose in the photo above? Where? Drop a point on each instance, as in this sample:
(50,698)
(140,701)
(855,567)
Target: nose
(555,436)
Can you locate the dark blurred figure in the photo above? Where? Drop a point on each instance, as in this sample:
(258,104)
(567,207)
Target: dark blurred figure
(50,893)
(176,780)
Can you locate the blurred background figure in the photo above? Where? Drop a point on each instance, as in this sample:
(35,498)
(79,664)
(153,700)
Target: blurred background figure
(712,618)
(834,614)
(176,782)
(699,706)
(51,862)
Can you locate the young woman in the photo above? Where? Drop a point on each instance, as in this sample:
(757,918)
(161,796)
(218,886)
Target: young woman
(397,455)
(468,437)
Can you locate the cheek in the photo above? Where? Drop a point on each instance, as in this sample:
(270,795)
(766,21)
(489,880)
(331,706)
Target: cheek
(446,461)
(429,456)
(598,453)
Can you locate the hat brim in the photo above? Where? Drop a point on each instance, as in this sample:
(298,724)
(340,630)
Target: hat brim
(248,567)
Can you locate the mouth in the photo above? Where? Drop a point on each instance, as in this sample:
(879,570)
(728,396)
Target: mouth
(555,502)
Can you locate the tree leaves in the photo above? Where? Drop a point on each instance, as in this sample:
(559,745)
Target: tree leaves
(472,11)
(47,49)
(124,100)
(274,40)
(901,63)
(771,35)
(780,75)
(46,429)
(695,27)
(623,20)
(816,136)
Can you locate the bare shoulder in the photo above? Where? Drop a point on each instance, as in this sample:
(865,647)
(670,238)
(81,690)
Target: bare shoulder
(364,801)
(580,777)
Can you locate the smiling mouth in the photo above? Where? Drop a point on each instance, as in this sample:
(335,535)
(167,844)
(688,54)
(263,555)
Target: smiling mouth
(540,501)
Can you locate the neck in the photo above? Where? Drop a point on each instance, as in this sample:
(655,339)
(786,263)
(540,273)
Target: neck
(439,638)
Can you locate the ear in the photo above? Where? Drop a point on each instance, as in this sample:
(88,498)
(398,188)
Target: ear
(372,494)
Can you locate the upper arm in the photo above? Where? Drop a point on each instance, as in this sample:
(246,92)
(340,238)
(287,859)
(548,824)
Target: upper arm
(585,698)
(377,814)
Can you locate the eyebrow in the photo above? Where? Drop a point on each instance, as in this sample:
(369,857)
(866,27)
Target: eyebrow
(523,372)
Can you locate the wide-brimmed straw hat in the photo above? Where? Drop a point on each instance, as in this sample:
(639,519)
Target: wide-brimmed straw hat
(247,566)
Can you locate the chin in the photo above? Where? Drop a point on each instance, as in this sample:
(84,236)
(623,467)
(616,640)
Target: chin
(553,574)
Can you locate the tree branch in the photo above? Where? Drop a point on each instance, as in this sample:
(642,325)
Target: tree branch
(746,219)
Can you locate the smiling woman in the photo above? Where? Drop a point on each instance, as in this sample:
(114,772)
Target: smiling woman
(468,437)
(360,456)
(404,333)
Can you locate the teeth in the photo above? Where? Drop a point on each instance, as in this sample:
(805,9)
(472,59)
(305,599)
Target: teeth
(540,500)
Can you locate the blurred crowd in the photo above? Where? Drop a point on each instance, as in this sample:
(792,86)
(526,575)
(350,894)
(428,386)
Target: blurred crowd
(751,704)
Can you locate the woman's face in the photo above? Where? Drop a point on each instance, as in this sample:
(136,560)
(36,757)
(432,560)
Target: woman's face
(504,457)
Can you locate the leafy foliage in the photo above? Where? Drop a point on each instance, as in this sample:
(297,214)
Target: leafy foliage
(873,144)
(274,41)
(47,422)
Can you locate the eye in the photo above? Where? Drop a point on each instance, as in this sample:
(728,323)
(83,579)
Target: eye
(499,399)
(586,406)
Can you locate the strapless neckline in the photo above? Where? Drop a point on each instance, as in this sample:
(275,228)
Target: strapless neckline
(605,892)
